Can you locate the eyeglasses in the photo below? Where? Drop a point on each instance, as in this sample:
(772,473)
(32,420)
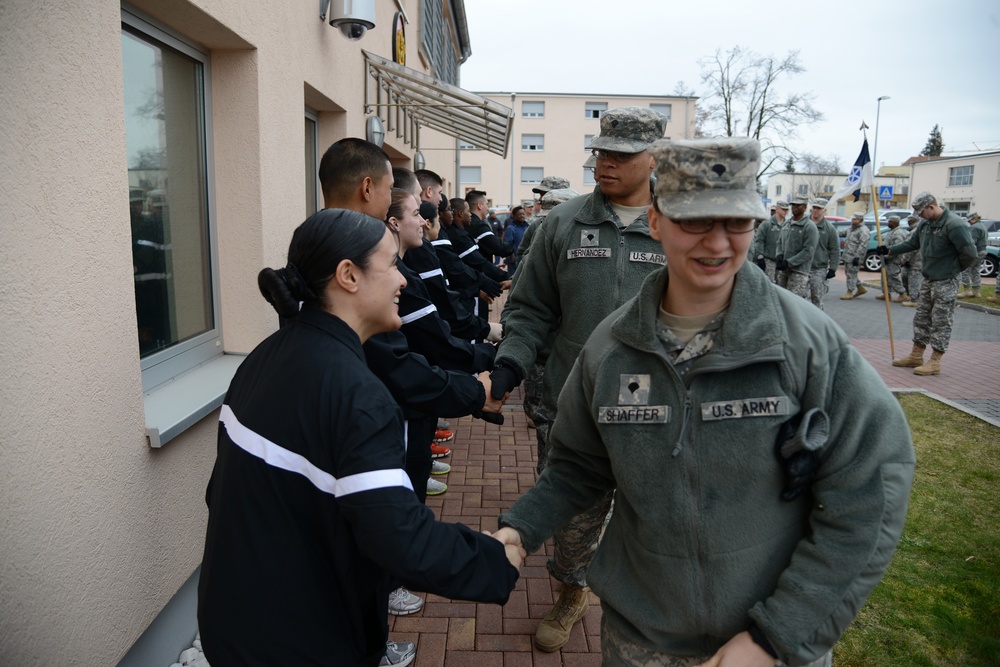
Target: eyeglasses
(702,226)
(612,156)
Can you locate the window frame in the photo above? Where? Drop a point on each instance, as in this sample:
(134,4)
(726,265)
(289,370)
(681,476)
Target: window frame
(462,172)
(658,107)
(526,114)
(165,365)
(588,112)
(589,177)
(311,116)
(961,180)
(541,175)
(537,146)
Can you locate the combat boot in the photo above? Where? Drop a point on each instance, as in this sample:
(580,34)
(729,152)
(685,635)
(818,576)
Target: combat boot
(915,359)
(900,299)
(964,293)
(933,365)
(861,290)
(974,294)
(553,632)
(993,299)
(881,297)
(848,296)
(909,304)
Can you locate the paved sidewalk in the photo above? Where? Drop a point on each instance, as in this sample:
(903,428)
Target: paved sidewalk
(492,466)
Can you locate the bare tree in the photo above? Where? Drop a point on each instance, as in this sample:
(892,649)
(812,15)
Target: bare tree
(814,164)
(743,100)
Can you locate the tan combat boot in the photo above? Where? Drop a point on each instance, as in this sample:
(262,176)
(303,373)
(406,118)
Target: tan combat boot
(861,290)
(900,299)
(993,299)
(974,294)
(848,296)
(915,359)
(553,632)
(933,365)
(964,293)
(909,304)
(881,297)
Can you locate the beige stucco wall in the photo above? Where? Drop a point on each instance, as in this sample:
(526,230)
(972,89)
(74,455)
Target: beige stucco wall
(983,196)
(97,530)
(564,127)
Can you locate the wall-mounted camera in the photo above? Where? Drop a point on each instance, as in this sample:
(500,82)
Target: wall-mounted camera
(352,17)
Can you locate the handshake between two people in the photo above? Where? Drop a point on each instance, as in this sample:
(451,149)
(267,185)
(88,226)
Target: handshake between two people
(513,546)
(498,384)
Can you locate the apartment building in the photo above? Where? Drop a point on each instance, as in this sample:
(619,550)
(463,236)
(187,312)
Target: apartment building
(782,186)
(963,184)
(550,137)
(156,156)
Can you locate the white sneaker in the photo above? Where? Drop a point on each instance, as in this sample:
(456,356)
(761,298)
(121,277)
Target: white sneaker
(440,468)
(398,654)
(435,488)
(403,603)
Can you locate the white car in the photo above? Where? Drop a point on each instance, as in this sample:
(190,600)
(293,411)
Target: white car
(883,216)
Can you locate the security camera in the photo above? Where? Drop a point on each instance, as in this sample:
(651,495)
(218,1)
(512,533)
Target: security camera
(352,17)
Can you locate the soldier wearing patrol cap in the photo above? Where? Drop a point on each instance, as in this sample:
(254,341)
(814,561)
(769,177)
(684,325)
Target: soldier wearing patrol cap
(826,257)
(946,249)
(588,258)
(893,265)
(855,249)
(798,240)
(761,469)
(548,183)
(970,277)
(765,240)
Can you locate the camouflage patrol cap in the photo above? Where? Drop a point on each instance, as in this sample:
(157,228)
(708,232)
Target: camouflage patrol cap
(629,129)
(798,200)
(591,163)
(551,183)
(819,202)
(708,178)
(973,216)
(922,201)
(858,215)
(892,218)
(912,219)
(781,204)
(553,198)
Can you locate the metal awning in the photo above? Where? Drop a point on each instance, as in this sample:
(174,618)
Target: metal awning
(408,100)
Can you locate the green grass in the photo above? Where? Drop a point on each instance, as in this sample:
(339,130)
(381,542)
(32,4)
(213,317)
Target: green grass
(939,602)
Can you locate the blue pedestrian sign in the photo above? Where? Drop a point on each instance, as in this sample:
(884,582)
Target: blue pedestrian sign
(766,200)
(885,193)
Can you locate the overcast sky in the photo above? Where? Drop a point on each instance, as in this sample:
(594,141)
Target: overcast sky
(938,62)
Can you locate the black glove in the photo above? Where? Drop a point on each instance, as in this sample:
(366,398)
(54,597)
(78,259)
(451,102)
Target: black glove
(760,262)
(906,265)
(504,378)
(797,449)
(856,261)
(781,264)
(882,250)
(491,287)
(491,417)
(830,273)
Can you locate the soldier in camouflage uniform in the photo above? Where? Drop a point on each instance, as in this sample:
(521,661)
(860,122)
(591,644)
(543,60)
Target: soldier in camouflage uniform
(540,416)
(970,277)
(946,246)
(855,249)
(893,265)
(798,240)
(586,260)
(826,258)
(912,267)
(765,240)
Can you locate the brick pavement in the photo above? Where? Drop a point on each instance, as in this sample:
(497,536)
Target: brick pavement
(492,465)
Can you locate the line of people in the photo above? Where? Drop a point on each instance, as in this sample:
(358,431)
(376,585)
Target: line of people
(671,368)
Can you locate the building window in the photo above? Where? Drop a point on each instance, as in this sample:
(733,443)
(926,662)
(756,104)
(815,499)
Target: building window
(312,164)
(532,109)
(532,142)
(960,176)
(436,38)
(531,174)
(587,140)
(777,190)
(804,189)
(594,109)
(471,174)
(466,146)
(959,207)
(664,109)
(167,139)
(588,176)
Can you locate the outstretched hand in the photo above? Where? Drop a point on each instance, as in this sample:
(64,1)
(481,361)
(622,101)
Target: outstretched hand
(513,547)
(492,404)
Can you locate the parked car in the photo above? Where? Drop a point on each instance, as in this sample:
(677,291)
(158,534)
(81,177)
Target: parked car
(993,232)
(883,216)
(987,269)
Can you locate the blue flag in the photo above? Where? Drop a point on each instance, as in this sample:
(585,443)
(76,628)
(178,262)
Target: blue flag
(860,176)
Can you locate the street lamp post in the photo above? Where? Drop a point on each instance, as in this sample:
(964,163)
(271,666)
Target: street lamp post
(878,112)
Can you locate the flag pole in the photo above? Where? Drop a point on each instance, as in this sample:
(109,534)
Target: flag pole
(885,282)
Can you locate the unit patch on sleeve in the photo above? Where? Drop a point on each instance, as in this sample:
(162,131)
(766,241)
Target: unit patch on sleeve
(768,406)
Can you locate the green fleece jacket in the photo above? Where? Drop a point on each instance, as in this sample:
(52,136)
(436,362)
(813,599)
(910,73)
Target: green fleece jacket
(798,243)
(701,544)
(581,267)
(945,244)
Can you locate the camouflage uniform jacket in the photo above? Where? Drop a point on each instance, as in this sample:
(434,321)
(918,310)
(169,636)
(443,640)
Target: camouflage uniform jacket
(827,254)
(798,243)
(945,245)
(580,268)
(765,239)
(701,543)
(897,235)
(856,243)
